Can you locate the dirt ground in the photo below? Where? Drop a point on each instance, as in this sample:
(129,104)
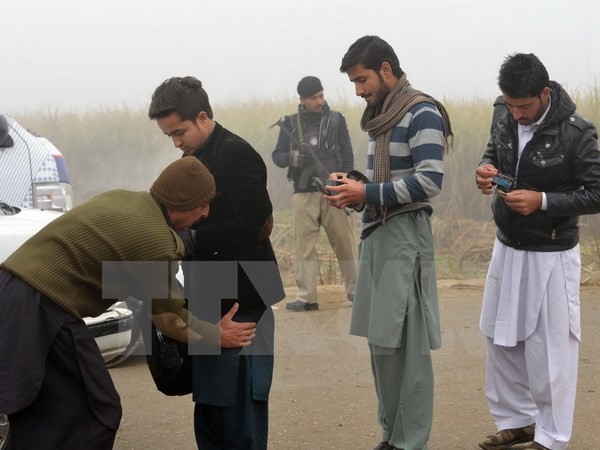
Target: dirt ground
(322,395)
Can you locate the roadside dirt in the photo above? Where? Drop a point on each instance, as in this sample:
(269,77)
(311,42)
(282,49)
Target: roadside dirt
(323,397)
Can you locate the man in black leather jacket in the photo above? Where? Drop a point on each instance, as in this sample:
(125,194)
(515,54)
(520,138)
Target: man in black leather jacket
(547,158)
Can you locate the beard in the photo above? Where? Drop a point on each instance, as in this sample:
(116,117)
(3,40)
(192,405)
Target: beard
(381,93)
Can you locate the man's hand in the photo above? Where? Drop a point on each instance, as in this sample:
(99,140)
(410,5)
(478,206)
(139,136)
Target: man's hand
(522,201)
(296,159)
(483,178)
(350,192)
(236,334)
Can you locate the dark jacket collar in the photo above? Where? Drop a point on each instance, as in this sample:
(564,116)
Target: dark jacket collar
(207,150)
(561,107)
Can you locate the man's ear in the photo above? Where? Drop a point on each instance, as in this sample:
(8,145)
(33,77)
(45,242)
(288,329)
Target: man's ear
(545,95)
(201,118)
(386,70)
(387,75)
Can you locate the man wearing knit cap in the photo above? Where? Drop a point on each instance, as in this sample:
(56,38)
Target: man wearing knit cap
(326,132)
(231,389)
(183,186)
(56,389)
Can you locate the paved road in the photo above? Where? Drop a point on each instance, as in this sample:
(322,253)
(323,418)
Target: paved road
(323,398)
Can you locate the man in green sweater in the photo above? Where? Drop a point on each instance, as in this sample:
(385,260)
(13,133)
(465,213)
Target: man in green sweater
(55,387)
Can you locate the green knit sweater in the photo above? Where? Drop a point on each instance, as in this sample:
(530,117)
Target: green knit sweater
(64,260)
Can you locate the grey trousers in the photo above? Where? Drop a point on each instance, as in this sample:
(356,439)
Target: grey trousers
(404,385)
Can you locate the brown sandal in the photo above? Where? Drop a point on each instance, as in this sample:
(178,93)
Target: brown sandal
(534,446)
(503,439)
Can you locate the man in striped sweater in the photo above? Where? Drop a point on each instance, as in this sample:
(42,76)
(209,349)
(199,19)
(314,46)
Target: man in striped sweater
(396,305)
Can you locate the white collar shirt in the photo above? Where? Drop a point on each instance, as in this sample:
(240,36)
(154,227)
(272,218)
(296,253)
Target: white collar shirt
(525,134)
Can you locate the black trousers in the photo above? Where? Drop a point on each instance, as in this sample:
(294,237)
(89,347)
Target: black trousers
(60,416)
(54,385)
(240,427)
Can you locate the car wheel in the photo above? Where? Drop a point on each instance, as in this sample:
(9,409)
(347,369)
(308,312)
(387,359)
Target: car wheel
(4,433)
(137,339)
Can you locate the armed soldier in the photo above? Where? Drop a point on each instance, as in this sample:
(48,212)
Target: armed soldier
(313,141)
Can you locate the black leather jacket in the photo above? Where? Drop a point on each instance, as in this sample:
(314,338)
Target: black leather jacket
(562,160)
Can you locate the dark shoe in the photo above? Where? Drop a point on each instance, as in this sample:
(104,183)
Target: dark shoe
(384,445)
(299,305)
(504,439)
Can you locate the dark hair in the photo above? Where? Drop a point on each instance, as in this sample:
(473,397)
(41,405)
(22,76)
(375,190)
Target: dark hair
(371,52)
(183,95)
(522,76)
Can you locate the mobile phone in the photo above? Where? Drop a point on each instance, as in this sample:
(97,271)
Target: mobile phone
(503,183)
(322,186)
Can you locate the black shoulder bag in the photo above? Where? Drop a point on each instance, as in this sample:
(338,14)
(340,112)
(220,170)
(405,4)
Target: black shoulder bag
(170,365)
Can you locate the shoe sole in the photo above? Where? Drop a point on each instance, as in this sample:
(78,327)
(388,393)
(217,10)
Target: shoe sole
(303,307)
(524,444)
(520,443)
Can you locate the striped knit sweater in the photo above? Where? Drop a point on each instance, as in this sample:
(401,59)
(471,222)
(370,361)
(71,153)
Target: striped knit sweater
(63,261)
(416,164)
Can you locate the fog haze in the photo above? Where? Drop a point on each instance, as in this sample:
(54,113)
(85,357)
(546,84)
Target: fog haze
(75,55)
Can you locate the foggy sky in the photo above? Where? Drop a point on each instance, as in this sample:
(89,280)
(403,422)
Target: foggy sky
(74,55)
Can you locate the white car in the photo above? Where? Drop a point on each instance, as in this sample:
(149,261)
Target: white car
(33,172)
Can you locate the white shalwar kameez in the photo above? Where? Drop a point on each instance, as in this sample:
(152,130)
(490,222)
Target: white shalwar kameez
(530,316)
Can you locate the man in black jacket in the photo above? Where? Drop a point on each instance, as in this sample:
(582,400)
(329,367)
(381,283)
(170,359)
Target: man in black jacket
(230,389)
(326,132)
(543,165)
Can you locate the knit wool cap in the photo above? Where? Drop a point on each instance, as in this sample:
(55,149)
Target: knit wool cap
(309,86)
(184,184)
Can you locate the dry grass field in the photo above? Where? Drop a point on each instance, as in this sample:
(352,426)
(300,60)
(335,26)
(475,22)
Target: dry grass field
(119,147)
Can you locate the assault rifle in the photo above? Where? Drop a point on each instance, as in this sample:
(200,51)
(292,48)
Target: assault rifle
(322,180)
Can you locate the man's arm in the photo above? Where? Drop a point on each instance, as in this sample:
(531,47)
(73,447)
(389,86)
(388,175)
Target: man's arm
(185,327)
(281,154)
(585,167)
(171,317)
(490,155)
(488,167)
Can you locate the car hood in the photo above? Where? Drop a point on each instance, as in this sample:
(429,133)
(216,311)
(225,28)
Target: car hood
(16,229)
